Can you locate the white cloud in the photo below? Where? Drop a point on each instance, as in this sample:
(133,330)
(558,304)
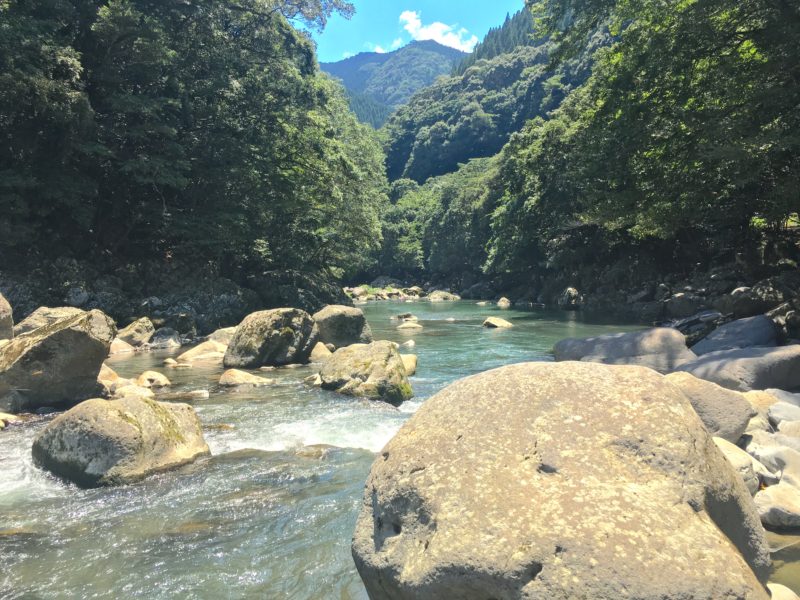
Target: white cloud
(447,35)
(348,55)
(396,44)
(375,48)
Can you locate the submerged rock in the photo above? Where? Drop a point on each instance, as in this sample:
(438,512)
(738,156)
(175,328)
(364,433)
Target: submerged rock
(138,333)
(749,368)
(725,413)
(375,371)
(236,378)
(276,338)
(6,319)
(409,326)
(55,365)
(662,349)
(111,442)
(44,316)
(744,333)
(558,481)
(342,326)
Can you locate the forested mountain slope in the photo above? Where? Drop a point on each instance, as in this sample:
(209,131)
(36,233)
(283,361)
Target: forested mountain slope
(389,79)
(473,114)
(517,30)
(680,151)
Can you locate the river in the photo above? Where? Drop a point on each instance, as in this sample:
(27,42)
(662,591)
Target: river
(271,513)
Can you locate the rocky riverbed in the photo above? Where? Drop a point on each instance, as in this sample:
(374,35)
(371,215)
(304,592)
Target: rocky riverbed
(257,479)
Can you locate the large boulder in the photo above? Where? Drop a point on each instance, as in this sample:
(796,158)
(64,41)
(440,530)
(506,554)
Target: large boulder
(56,365)
(744,333)
(779,506)
(558,481)
(6,319)
(442,296)
(725,413)
(375,371)
(342,326)
(662,349)
(138,333)
(110,442)
(683,305)
(278,337)
(749,301)
(44,316)
(749,368)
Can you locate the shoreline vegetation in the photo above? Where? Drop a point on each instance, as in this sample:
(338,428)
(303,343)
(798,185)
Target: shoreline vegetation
(182,177)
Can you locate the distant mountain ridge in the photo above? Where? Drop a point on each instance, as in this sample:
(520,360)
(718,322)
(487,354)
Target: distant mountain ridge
(378,83)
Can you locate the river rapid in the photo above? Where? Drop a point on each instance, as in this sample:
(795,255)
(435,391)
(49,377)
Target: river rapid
(270,514)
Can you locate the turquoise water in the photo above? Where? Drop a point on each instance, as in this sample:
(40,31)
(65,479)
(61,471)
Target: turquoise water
(271,513)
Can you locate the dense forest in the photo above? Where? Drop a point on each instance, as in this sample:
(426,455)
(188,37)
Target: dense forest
(379,83)
(203,131)
(680,149)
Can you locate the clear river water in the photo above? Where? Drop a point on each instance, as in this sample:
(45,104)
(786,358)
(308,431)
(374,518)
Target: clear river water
(271,513)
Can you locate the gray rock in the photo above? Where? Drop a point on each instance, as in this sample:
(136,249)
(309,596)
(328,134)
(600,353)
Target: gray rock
(375,371)
(744,333)
(783,411)
(753,473)
(278,337)
(725,413)
(164,339)
(662,349)
(504,303)
(342,326)
(749,301)
(781,592)
(102,442)
(222,336)
(497,323)
(682,305)
(742,462)
(790,428)
(138,333)
(6,319)
(570,299)
(44,316)
(784,396)
(558,481)
(749,368)
(779,506)
(440,296)
(55,365)
(782,461)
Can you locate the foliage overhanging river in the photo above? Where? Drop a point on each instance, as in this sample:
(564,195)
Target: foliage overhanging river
(263,517)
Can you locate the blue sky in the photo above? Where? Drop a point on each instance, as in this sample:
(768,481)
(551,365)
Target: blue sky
(385,25)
